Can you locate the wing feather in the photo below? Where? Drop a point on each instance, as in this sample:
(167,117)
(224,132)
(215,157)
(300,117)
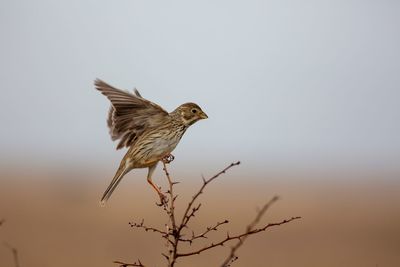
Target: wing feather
(130,115)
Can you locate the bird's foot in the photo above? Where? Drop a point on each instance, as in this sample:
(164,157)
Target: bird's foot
(163,200)
(168,158)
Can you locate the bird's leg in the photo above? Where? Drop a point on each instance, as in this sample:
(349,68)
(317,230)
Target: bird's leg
(168,158)
(163,198)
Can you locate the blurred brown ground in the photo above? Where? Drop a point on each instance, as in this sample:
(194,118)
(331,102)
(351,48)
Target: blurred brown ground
(54,219)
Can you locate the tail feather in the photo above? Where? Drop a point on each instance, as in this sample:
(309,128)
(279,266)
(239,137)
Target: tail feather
(122,170)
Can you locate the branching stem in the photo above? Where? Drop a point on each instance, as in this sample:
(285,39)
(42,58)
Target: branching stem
(175,232)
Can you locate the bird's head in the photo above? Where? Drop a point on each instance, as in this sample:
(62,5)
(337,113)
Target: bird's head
(190,113)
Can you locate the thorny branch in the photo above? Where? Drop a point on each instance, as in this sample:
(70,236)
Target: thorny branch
(123,264)
(146,228)
(175,228)
(240,237)
(186,215)
(204,234)
(249,230)
(13,250)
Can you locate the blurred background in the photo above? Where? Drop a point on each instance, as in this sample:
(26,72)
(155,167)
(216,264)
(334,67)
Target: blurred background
(304,93)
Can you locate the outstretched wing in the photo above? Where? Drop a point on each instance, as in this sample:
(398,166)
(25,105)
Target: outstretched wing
(130,115)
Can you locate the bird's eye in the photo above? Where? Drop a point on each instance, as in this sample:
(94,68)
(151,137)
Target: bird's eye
(194,110)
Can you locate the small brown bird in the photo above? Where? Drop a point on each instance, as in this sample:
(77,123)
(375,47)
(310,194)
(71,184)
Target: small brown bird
(150,132)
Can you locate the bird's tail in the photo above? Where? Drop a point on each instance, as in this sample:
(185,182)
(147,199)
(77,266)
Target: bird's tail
(122,170)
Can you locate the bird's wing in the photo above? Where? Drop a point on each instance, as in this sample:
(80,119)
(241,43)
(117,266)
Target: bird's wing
(130,115)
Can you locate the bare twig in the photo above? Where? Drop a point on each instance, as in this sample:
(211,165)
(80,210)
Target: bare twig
(14,251)
(250,230)
(204,234)
(186,215)
(171,208)
(124,264)
(146,228)
(238,237)
(176,228)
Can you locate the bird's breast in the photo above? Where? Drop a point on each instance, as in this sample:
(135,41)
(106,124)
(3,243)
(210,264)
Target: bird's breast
(166,143)
(155,145)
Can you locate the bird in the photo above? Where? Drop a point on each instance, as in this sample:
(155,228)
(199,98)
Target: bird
(148,131)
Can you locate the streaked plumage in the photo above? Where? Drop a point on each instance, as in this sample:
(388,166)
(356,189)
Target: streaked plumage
(150,132)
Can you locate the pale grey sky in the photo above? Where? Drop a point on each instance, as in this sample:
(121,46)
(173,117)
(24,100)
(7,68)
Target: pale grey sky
(283,82)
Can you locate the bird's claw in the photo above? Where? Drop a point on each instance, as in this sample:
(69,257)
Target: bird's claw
(163,200)
(168,158)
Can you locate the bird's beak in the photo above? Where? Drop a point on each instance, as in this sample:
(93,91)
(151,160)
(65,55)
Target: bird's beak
(203,116)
